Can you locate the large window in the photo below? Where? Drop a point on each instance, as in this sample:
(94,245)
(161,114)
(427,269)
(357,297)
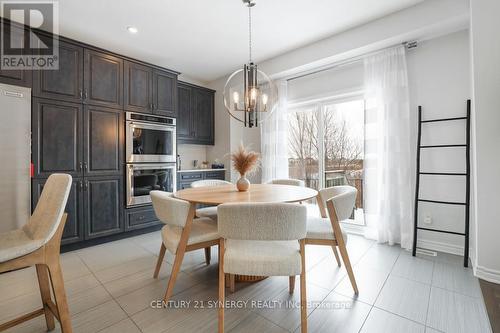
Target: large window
(326,146)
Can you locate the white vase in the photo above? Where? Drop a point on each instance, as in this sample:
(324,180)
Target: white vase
(243,184)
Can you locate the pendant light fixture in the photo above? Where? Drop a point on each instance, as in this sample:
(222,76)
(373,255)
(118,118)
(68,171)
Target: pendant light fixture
(249,94)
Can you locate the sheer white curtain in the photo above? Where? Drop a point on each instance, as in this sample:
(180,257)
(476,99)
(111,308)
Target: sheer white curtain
(389,163)
(274,141)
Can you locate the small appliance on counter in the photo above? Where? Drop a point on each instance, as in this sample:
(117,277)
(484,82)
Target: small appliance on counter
(217,165)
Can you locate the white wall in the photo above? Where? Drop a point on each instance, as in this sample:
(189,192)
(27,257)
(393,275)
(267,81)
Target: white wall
(425,20)
(486,87)
(439,81)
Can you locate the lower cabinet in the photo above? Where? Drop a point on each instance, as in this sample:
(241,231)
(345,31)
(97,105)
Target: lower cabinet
(140,217)
(73,230)
(94,207)
(103,206)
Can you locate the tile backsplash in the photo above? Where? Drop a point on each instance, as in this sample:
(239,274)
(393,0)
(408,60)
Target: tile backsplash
(191,152)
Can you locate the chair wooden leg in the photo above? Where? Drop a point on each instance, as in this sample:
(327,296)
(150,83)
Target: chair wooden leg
(337,258)
(221,286)
(232,286)
(44,283)
(208,255)
(303,295)
(291,284)
(173,275)
(347,263)
(57,280)
(161,255)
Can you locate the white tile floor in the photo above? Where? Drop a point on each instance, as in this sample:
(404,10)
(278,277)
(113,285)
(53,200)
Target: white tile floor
(110,288)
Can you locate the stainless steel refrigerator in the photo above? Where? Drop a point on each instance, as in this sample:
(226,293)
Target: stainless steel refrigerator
(15,156)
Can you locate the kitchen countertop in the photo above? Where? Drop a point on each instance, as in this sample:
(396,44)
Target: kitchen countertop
(200,170)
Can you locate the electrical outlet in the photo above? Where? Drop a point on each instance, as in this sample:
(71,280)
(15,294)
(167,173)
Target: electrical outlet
(428,220)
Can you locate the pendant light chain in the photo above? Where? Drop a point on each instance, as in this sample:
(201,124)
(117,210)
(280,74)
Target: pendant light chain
(250,33)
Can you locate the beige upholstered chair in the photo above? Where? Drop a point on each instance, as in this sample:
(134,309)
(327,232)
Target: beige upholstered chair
(181,233)
(335,205)
(262,239)
(210,212)
(288,181)
(38,244)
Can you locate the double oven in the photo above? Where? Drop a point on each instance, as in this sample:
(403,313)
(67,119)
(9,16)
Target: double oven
(151,154)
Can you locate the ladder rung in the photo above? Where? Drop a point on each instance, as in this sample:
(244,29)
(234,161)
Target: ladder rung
(442,146)
(444,202)
(443,119)
(443,173)
(442,231)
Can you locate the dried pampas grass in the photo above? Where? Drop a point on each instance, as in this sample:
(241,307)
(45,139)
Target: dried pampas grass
(244,161)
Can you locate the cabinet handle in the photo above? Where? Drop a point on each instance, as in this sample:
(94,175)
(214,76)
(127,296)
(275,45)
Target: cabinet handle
(81,94)
(80,184)
(85,167)
(80,166)
(85,94)
(153,106)
(86,185)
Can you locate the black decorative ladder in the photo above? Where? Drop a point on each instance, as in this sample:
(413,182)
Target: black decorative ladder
(466,174)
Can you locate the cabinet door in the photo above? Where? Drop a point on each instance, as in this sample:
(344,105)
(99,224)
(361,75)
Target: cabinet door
(141,217)
(184,114)
(203,116)
(66,83)
(15,77)
(103,206)
(138,92)
(103,79)
(103,136)
(56,137)
(164,93)
(73,230)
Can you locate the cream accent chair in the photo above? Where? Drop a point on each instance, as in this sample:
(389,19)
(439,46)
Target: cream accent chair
(38,244)
(181,233)
(288,181)
(338,202)
(210,212)
(262,239)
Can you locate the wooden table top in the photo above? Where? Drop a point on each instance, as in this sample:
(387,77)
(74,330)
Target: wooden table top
(216,195)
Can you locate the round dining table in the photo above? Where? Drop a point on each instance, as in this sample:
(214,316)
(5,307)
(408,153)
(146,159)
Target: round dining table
(270,193)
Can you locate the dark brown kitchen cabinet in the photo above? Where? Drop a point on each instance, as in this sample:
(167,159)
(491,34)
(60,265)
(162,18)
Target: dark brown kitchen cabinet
(65,83)
(164,93)
(203,123)
(195,121)
(74,228)
(138,86)
(56,137)
(15,77)
(103,79)
(103,136)
(184,118)
(103,206)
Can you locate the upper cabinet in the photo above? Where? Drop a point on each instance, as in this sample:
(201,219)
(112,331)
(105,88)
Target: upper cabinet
(195,121)
(150,90)
(164,93)
(66,83)
(15,77)
(138,86)
(103,79)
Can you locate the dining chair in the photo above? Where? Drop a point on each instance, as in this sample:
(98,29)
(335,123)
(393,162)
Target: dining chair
(37,244)
(335,204)
(288,181)
(182,233)
(262,239)
(210,212)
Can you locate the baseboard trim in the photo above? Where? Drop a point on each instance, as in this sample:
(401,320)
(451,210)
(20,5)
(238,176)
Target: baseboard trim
(441,247)
(490,275)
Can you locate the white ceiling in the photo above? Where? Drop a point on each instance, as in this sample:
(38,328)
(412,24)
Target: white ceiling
(208,39)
